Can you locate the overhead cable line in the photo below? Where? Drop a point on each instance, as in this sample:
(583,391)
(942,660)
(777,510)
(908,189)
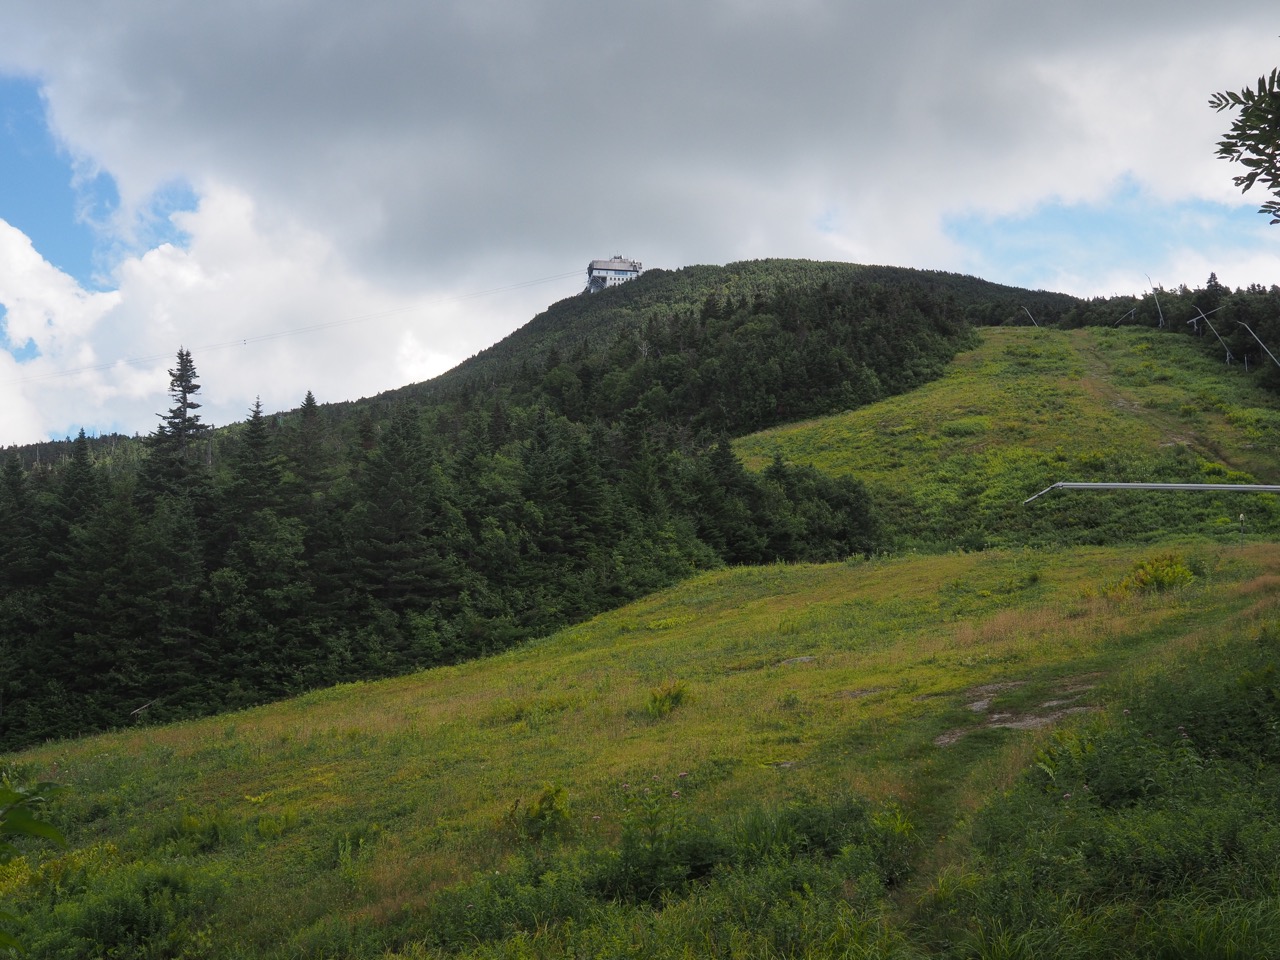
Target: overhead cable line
(279,334)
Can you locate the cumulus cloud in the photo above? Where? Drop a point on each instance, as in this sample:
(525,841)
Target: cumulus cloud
(392,157)
(267,308)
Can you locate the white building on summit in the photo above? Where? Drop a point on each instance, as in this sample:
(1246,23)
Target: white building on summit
(610,273)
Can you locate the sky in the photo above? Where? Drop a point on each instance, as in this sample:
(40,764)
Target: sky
(346,198)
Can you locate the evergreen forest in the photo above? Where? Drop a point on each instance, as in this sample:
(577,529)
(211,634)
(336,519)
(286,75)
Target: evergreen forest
(583,462)
(701,616)
(197,570)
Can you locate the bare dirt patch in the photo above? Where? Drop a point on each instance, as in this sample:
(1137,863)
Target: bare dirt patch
(859,693)
(1063,704)
(987,689)
(1032,721)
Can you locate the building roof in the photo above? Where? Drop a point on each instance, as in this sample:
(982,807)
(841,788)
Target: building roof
(616,263)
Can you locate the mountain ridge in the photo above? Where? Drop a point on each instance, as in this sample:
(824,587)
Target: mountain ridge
(904,754)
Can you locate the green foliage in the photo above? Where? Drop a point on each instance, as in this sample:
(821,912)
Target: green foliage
(547,816)
(785,880)
(512,498)
(761,340)
(517,496)
(664,699)
(1254,138)
(260,562)
(812,828)
(1163,811)
(359,821)
(661,850)
(19,813)
(148,911)
(1157,574)
(19,820)
(195,832)
(350,844)
(172,467)
(1056,406)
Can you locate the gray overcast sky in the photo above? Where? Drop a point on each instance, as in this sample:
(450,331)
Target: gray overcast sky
(245,168)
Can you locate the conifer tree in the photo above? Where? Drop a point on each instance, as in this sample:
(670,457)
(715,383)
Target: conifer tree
(305,444)
(20,546)
(78,494)
(173,462)
(256,472)
(181,425)
(22,599)
(406,532)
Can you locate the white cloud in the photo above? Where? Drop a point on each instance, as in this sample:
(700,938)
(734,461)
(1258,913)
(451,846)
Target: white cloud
(390,158)
(267,308)
(45,307)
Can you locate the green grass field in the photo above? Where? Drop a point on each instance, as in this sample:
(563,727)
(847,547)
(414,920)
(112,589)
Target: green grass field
(325,825)
(953,461)
(870,758)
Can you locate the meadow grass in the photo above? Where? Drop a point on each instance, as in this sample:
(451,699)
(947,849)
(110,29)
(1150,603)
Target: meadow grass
(952,461)
(786,760)
(328,825)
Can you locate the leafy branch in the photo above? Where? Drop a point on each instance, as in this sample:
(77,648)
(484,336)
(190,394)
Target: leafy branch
(1254,138)
(18,819)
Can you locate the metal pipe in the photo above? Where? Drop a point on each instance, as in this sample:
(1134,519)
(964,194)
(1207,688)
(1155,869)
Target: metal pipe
(1260,343)
(1220,487)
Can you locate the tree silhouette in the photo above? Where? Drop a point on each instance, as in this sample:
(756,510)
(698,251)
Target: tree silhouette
(1254,138)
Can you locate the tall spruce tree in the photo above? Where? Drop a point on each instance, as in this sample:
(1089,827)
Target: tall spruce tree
(306,443)
(20,542)
(255,469)
(22,598)
(173,464)
(407,535)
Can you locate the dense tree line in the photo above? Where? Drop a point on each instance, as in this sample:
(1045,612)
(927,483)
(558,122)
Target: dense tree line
(1241,327)
(768,310)
(198,570)
(184,589)
(579,464)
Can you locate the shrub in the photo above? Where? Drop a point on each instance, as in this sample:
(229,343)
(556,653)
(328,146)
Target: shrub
(1164,809)
(664,699)
(547,816)
(807,878)
(141,911)
(350,844)
(1154,575)
(660,851)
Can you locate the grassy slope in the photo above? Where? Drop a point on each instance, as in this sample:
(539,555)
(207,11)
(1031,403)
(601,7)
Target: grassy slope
(955,459)
(343,810)
(596,319)
(350,805)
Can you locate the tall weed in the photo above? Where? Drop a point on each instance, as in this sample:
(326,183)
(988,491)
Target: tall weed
(1163,809)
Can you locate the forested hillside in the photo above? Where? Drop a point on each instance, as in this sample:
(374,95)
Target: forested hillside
(951,463)
(200,571)
(852,758)
(582,462)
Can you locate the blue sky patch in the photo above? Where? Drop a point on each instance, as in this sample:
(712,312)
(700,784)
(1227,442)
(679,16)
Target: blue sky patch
(68,217)
(36,193)
(1129,229)
(157,227)
(21,352)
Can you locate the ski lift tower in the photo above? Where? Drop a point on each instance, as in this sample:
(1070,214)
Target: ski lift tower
(610,273)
